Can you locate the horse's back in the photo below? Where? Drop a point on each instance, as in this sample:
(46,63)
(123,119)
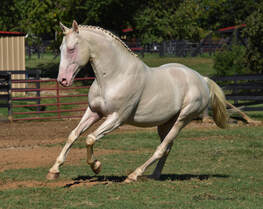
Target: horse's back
(196,84)
(167,90)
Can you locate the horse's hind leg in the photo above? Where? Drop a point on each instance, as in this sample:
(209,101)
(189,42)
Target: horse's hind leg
(86,121)
(160,151)
(163,130)
(189,112)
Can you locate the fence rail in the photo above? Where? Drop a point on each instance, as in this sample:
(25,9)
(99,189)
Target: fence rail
(58,103)
(244,90)
(42,98)
(45,99)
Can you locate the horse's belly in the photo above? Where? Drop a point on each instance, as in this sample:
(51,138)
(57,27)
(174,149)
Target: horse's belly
(161,100)
(154,116)
(150,120)
(156,111)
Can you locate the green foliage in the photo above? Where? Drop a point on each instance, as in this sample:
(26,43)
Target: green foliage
(153,20)
(231,61)
(216,14)
(254,34)
(9,15)
(186,25)
(188,19)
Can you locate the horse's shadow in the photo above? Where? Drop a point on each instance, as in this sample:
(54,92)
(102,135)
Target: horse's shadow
(120,179)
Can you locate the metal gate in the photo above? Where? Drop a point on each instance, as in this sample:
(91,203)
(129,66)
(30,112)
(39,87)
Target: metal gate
(44,98)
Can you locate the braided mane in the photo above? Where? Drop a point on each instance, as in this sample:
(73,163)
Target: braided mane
(106,32)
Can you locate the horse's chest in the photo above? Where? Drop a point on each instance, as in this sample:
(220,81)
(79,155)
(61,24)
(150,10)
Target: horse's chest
(121,97)
(96,100)
(106,102)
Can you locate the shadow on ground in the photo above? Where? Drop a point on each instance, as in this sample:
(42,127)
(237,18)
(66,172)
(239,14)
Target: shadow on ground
(120,179)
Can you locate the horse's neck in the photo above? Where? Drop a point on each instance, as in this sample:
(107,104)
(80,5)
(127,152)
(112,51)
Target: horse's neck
(109,60)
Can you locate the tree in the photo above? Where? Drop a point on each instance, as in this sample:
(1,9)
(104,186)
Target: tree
(254,35)
(155,20)
(189,19)
(9,15)
(223,13)
(186,21)
(111,14)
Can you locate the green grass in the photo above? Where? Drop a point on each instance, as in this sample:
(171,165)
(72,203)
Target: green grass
(223,171)
(46,59)
(203,65)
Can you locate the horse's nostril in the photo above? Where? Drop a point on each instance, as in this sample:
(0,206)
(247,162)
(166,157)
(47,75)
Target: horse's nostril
(63,81)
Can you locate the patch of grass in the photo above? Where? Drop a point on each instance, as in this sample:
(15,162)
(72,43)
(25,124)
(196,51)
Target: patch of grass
(256,115)
(48,64)
(203,65)
(223,171)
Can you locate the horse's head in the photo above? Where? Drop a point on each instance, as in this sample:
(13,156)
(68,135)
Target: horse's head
(73,54)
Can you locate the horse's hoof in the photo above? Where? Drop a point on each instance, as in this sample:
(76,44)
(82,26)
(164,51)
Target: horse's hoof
(96,167)
(129,180)
(52,176)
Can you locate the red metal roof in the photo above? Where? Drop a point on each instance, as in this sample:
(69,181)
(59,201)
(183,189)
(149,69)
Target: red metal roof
(127,30)
(11,33)
(232,27)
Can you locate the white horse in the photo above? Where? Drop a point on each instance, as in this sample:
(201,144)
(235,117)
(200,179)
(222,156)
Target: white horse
(127,91)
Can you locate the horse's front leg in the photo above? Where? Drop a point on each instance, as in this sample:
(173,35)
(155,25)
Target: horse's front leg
(112,122)
(86,121)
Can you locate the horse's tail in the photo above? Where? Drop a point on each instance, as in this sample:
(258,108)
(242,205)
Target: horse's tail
(218,103)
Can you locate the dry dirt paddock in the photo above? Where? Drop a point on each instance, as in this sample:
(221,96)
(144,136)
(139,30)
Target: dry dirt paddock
(24,145)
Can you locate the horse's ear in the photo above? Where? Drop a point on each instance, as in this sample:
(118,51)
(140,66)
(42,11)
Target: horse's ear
(75,26)
(63,27)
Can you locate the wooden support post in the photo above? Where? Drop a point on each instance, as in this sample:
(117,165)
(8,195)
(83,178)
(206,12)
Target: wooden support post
(9,101)
(38,92)
(58,100)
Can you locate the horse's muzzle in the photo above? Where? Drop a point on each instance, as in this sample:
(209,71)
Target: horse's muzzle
(63,82)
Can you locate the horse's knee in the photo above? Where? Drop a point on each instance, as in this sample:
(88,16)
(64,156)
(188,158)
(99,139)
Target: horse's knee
(162,151)
(90,140)
(72,136)
(159,153)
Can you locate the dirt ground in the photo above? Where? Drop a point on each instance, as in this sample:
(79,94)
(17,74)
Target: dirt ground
(21,143)
(24,145)
(21,146)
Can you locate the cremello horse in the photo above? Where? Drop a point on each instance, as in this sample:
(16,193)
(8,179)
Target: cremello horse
(127,91)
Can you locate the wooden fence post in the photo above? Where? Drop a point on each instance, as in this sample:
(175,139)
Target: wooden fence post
(162,49)
(38,92)
(9,101)
(58,100)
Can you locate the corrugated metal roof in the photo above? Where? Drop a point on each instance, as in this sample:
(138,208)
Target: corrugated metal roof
(127,30)
(12,33)
(231,28)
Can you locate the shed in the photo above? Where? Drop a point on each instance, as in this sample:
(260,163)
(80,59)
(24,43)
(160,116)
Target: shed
(12,54)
